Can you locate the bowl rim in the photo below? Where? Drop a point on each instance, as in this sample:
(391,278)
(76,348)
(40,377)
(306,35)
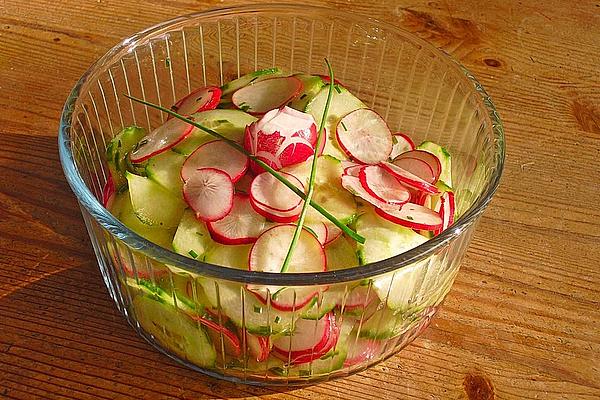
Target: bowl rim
(93,206)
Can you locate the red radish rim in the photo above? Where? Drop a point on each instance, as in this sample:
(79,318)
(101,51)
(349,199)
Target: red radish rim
(333,232)
(186,132)
(367,178)
(357,304)
(407,138)
(342,133)
(408,178)
(263,344)
(211,103)
(446,207)
(282,306)
(368,349)
(215,230)
(108,191)
(275,216)
(234,173)
(388,214)
(293,93)
(431,159)
(232,337)
(229,191)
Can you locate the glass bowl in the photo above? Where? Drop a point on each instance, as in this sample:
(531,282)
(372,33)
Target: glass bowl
(417,89)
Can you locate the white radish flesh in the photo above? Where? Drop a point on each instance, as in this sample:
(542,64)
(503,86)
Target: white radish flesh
(242,225)
(383,185)
(218,155)
(364,136)
(161,139)
(408,178)
(412,216)
(266,95)
(209,192)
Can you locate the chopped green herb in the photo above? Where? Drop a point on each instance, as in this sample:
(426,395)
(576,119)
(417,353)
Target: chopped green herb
(337,89)
(304,372)
(394,139)
(343,125)
(193,254)
(253,79)
(258,309)
(244,107)
(303,96)
(200,234)
(167,62)
(277,319)
(222,121)
(408,217)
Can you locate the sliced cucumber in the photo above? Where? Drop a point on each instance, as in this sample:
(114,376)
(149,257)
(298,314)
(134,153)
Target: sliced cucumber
(317,309)
(175,331)
(385,324)
(192,238)
(165,169)
(117,151)
(251,312)
(342,103)
(229,123)
(312,85)
(156,234)
(234,256)
(164,210)
(328,190)
(341,254)
(232,86)
(445,160)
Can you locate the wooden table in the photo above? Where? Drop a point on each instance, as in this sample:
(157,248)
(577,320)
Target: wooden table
(523,318)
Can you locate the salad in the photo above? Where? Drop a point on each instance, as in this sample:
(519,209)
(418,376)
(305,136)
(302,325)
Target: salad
(230,185)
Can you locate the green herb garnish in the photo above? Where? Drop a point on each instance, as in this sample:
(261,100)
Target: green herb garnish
(337,89)
(352,234)
(343,125)
(193,254)
(311,179)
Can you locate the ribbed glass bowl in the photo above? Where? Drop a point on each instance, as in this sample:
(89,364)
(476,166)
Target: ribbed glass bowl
(417,89)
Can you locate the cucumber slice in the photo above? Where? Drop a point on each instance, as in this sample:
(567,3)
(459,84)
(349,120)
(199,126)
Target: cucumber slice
(328,190)
(235,256)
(312,85)
(445,160)
(251,312)
(386,324)
(229,123)
(117,151)
(252,77)
(342,103)
(341,254)
(164,210)
(316,310)
(192,238)
(175,331)
(156,234)
(164,169)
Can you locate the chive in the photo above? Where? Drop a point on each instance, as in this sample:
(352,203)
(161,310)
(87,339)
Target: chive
(343,125)
(408,217)
(277,319)
(200,234)
(337,89)
(352,234)
(303,96)
(193,254)
(258,309)
(311,179)
(167,62)
(222,121)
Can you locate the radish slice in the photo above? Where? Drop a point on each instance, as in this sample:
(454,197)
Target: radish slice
(446,207)
(417,167)
(364,136)
(402,144)
(359,298)
(319,229)
(218,155)
(231,341)
(429,158)
(202,99)
(270,193)
(351,168)
(270,250)
(284,217)
(161,139)
(412,216)
(408,178)
(309,341)
(258,346)
(242,225)
(209,192)
(362,350)
(382,185)
(267,94)
(333,232)
(327,80)
(353,185)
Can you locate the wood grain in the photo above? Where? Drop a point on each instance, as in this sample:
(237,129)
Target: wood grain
(523,318)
